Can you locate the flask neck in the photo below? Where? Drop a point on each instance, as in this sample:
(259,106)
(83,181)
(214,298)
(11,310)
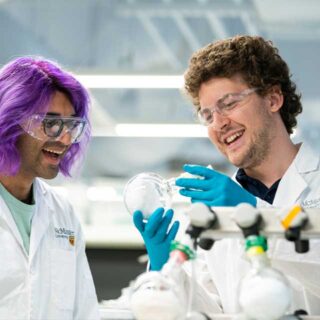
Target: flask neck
(171,186)
(180,252)
(171,183)
(259,261)
(173,265)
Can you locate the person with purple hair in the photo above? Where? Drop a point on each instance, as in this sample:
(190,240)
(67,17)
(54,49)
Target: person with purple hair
(44,130)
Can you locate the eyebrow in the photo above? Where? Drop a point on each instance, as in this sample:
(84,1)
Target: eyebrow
(225,96)
(219,100)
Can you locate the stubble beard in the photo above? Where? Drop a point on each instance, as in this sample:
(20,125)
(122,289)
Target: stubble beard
(258,151)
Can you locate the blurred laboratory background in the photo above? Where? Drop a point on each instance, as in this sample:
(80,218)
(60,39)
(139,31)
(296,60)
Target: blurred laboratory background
(146,123)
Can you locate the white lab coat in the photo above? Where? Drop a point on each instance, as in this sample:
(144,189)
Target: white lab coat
(222,267)
(301,182)
(55,281)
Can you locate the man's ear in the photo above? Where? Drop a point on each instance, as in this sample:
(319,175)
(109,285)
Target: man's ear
(275,98)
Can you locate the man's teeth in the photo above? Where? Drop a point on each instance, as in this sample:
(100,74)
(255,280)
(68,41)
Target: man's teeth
(233,137)
(53,151)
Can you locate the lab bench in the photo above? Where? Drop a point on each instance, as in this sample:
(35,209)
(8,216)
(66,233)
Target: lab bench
(120,314)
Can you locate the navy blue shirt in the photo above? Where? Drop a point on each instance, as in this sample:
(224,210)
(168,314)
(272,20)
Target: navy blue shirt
(256,187)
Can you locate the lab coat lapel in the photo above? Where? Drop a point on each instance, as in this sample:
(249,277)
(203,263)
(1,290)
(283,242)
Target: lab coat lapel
(40,221)
(290,188)
(7,217)
(292,183)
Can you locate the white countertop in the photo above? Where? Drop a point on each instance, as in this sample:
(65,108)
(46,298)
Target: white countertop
(113,236)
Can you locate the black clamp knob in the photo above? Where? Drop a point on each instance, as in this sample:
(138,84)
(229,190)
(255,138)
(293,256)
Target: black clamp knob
(294,221)
(248,219)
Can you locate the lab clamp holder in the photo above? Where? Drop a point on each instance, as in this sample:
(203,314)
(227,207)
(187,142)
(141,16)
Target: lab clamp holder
(292,223)
(208,225)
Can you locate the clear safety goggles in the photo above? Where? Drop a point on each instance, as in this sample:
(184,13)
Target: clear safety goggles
(225,106)
(52,127)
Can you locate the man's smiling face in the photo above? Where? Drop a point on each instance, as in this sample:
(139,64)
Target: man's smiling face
(42,158)
(244,136)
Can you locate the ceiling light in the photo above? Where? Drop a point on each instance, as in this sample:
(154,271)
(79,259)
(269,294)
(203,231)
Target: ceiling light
(160,130)
(129,81)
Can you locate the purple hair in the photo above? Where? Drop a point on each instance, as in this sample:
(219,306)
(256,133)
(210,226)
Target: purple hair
(26,87)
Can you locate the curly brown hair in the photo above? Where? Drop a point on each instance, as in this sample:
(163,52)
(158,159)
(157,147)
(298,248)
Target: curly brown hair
(256,60)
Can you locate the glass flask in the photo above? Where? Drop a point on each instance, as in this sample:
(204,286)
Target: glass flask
(159,295)
(264,293)
(148,191)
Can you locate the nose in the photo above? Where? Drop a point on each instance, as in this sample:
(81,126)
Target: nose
(219,122)
(65,137)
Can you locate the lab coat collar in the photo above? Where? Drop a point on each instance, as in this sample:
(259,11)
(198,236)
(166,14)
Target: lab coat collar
(306,159)
(292,184)
(40,220)
(41,191)
(42,216)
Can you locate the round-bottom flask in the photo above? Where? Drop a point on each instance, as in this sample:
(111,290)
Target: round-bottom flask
(264,293)
(148,191)
(156,297)
(160,295)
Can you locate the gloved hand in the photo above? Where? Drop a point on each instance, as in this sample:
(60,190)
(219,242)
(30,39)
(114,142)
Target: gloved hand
(156,236)
(215,189)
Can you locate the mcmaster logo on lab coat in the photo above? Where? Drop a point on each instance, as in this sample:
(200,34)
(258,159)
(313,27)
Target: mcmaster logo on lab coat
(66,234)
(311,203)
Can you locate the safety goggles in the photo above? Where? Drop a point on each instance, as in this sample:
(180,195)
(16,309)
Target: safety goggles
(225,106)
(52,127)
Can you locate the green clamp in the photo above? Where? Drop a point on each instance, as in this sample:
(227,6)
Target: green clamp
(176,245)
(256,241)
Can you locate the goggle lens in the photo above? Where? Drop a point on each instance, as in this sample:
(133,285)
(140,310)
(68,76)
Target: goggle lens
(52,127)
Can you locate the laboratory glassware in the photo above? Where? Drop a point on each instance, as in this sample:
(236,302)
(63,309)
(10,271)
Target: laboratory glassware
(160,295)
(148,191)
(264,293)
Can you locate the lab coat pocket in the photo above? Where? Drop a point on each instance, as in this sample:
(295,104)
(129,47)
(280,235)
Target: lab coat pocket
(63,277)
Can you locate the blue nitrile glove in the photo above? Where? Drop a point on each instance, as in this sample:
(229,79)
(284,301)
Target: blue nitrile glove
(156,236)
(214,189)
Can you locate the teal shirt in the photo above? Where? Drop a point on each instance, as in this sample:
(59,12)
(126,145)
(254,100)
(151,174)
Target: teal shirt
(22,214)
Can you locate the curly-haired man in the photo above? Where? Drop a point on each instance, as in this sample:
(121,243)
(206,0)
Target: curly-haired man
(243,94)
